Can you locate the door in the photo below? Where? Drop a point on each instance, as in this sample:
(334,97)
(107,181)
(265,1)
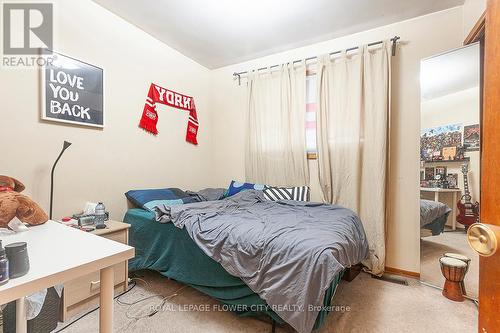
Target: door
(486,237)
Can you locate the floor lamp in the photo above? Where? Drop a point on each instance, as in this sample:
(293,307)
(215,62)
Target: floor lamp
(66,145)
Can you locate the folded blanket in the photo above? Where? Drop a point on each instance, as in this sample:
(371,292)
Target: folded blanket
(288,252)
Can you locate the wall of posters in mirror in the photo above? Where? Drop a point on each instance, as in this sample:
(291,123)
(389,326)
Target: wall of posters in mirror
(434,140)
(472,137)
(448,142)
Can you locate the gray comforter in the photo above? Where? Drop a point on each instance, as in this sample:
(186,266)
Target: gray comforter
(431,210)
(288,252)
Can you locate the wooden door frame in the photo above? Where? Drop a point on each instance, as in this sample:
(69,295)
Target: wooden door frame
(477,31)
(486,31)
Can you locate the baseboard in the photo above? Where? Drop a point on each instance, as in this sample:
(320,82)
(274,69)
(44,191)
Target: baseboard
(402,272)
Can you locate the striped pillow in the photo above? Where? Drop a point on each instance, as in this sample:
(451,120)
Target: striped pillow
(299,193)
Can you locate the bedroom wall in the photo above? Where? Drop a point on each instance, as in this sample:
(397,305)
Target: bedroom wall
(421,37)
(103,164)
(472,11)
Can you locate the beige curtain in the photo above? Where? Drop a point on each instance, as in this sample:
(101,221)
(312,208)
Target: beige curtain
(276,144)
(353,125)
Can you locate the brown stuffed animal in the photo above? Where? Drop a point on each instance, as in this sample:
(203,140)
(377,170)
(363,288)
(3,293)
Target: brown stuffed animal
(13,203)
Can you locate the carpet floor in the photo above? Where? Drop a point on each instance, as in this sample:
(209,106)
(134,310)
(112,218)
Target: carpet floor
(364,305)
(433,247)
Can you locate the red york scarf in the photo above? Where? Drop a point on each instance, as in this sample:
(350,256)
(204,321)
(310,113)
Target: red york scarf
(161,95)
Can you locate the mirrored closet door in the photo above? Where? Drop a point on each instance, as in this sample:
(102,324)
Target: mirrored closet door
(450,143)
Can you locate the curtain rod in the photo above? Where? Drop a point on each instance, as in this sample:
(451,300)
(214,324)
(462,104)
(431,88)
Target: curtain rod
(394,40)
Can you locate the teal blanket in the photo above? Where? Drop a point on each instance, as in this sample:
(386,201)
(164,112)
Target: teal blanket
(170,251)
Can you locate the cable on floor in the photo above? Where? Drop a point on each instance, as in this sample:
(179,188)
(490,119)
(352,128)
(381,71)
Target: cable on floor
(154,309)
(94,309)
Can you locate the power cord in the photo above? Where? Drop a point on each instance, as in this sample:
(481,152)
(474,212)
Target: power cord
(90,311)
(154,309)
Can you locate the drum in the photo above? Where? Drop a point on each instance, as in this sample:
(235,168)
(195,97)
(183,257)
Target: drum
(459,257)
(454,272)
(464,259)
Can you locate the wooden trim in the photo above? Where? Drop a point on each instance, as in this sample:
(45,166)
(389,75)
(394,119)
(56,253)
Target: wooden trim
(402,272)
(312,156)
(489,267)
(477,31)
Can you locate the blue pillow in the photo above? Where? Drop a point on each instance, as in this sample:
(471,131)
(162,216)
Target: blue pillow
(236,187)
(148,199)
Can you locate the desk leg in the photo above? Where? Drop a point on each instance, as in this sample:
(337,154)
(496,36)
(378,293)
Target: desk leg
(106,299)
(454,212)
(21,323)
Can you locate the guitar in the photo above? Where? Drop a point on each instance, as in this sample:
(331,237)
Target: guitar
(468,211)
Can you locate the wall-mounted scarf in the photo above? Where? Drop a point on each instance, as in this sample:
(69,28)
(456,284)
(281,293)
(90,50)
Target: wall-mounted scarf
(171,98)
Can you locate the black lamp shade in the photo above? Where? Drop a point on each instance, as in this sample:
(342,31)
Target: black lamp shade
(66,145)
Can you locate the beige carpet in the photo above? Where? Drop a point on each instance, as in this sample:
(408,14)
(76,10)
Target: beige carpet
(433,247)
(370,305)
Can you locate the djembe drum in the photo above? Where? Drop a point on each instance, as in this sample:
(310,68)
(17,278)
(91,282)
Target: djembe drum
(454,272)
(467,262)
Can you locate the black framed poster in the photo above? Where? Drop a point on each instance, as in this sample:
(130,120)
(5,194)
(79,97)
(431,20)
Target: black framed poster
(72,91)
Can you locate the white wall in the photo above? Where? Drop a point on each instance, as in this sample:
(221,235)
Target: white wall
(472,11)
(461,107)
(103,164)
(421,37)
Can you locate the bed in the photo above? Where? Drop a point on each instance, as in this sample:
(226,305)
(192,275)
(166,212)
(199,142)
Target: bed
(433,217)
(173,252)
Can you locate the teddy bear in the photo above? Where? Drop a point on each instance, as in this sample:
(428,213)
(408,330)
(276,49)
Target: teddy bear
(14,204)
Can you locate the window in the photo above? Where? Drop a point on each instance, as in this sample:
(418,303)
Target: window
(311,107)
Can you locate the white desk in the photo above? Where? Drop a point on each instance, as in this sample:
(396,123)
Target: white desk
(454,192)
(57,254)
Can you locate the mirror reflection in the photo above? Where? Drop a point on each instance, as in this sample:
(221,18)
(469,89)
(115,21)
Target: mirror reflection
(450,170)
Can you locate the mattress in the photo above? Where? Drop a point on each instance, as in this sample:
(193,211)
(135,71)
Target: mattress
(433,216)
(432,210)
(171,252)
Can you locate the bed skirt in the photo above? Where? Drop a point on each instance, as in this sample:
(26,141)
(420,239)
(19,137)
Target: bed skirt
(437,226)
